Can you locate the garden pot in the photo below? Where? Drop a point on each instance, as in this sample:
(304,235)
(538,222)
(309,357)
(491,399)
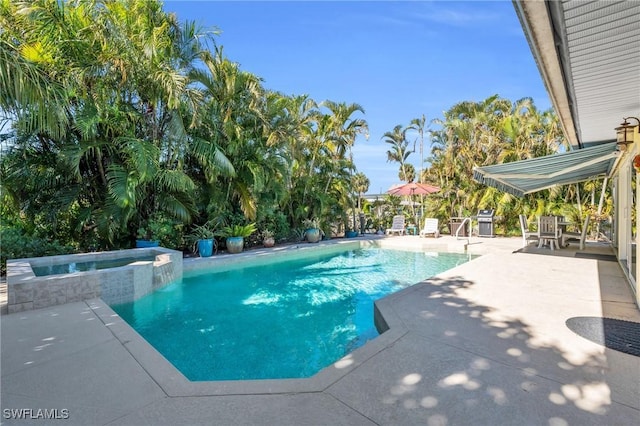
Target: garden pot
(313,235)
(235,244)
(147,243)
(351,234)
(268,242)
(205,248)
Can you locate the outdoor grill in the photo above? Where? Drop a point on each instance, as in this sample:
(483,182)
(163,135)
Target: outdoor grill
(485,223)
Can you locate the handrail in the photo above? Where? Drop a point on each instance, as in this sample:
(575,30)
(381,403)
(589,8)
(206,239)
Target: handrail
(466,219)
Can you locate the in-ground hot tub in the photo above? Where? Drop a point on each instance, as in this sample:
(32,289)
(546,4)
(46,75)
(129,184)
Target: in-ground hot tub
(115,276)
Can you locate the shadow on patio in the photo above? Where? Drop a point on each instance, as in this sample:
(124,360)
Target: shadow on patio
(462,361)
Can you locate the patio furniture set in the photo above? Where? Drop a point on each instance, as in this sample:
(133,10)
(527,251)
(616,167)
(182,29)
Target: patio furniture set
(552,231)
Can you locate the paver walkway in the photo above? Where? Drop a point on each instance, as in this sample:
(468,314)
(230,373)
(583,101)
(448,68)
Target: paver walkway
(482,344)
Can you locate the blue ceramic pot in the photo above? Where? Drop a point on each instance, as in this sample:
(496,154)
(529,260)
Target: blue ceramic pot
(147,243)
(205,248)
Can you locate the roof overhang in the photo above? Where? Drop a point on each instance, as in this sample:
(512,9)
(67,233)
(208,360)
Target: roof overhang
(588,54)
(535,174)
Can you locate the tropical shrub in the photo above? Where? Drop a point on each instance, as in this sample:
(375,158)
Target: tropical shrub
(238,230)
(17,244)
(169,232)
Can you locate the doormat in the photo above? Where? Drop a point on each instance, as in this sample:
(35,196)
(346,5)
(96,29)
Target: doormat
(597,256)
(623,336)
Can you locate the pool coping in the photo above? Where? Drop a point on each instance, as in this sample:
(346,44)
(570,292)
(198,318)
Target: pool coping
(174,383)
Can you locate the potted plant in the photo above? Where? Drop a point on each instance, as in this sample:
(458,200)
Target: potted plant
(150,231)
(203,237)
(144,238)
(267,238)
(350,227)
(351,233)
(235,235)
(312,232)
(160,230)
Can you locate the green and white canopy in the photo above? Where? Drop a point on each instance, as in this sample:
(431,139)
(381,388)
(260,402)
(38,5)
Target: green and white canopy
(535,174)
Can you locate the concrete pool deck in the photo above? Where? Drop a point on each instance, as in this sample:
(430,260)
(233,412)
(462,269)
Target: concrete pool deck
(484,343)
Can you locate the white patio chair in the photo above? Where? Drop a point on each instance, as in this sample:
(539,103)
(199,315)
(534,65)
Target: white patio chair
(581,236)
(397,226)
(430,228)
(548,231)
(527,234)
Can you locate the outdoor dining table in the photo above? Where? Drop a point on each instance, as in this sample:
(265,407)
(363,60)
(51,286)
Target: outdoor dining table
(563,225)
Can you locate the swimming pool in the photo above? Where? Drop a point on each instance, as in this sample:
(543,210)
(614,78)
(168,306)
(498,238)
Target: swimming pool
(286,319)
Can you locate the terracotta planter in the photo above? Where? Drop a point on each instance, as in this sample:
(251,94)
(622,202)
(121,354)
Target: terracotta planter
(235,244)
(268,242)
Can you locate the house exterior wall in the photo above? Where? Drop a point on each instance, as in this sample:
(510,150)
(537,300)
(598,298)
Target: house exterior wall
(626,211)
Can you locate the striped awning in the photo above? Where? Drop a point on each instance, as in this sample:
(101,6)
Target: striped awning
(535,174)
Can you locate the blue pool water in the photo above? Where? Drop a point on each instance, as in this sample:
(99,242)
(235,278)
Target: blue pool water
(284,320)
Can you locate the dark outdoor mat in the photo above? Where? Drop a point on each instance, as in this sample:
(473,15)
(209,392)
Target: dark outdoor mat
(623,336)
(607,257)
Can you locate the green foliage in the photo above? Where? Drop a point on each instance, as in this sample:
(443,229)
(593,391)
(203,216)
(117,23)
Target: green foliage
(311,223)
(17,244)
(204,232)
(97,149)
(174,128)
(276,222)
(169,232)
(297,235)
(238,230)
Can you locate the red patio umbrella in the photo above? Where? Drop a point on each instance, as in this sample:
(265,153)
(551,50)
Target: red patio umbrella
(413,188)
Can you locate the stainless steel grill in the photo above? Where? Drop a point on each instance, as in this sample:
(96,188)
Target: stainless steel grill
(485,223)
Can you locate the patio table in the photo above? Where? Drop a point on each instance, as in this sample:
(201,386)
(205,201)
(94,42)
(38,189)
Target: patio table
(563,225)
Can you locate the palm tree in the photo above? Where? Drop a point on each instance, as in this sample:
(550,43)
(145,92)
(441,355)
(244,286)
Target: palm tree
(360,183)
(419,125)
(341,129)
(483,133)
(398,151)
(344,127)
(407,172)
(123,66)
(292,120)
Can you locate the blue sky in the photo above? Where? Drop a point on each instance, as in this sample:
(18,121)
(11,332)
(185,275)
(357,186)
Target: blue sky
(398,60)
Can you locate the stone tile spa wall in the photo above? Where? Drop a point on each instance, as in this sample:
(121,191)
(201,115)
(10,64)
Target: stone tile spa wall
(26,291)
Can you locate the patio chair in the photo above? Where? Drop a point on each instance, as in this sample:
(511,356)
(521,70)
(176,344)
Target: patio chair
(527,235)
(397,226)
(548,231)
(430,228)
(581,236)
